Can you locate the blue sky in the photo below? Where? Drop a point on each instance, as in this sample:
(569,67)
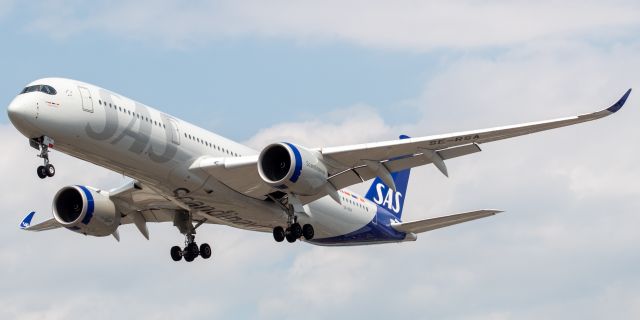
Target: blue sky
(341,72)
(273,79)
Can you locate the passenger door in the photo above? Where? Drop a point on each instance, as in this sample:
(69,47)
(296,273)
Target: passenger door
(87,101)
(175,132)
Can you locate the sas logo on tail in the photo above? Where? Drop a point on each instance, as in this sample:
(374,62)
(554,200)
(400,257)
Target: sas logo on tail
(391,200)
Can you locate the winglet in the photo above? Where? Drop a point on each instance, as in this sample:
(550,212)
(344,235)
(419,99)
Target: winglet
(614,108)
(26,222)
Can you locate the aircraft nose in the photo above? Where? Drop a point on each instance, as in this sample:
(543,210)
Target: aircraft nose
(17,111)
(20,111)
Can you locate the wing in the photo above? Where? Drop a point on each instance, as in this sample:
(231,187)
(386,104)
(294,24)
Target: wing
(135,202)
(353,164)
(140,204)
(43,226)
(441,222)
(137,197)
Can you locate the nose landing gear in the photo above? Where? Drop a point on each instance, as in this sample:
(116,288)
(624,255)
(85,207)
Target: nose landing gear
(43,144)
(48,170)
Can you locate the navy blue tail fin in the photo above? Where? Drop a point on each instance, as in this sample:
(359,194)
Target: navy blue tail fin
(384,196)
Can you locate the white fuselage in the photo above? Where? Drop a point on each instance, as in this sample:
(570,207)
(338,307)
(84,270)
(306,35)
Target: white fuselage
(155,148)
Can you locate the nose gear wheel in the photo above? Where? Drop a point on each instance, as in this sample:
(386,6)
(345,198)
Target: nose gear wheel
(42,144)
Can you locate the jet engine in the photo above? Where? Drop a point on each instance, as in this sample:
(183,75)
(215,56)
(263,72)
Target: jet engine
(292,168)
(86,210)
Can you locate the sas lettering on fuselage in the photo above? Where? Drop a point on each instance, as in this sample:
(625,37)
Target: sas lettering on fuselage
(137,131)
(391,199)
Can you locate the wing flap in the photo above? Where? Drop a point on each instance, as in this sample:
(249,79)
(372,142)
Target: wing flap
(136,197)
(441,222)
(363,173)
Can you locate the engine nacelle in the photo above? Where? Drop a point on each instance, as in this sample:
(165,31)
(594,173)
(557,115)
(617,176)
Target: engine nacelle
(292,168)
(85,210)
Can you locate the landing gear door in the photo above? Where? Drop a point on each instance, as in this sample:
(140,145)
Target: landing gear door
(87,101)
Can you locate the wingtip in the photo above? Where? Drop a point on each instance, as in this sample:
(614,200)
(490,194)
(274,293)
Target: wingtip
(26,222)
(618,105)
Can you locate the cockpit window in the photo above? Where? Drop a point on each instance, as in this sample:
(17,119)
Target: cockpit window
(39,87)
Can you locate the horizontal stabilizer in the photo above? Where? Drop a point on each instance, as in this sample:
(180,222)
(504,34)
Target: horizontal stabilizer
(47,225)
(441,222)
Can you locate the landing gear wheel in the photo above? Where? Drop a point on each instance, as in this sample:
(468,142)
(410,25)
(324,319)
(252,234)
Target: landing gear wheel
(278,234)
(42,172)
(50,170)
(43,144)
(290,236)
(176,253)
(205,251)
(191,252)
(308,232)
(188,257)
(296,230)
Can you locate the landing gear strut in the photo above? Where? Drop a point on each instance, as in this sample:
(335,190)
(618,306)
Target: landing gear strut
(191,250)
(294,230)
(43,144)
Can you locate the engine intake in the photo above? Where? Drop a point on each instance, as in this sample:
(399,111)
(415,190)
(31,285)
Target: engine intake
(276,163)
(294,168)
(85,210)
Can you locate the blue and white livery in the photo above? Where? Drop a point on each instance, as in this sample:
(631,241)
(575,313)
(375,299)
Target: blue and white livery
(189,176)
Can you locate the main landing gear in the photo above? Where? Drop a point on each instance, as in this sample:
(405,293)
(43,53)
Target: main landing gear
(191,249)
(43,144)
(293,231)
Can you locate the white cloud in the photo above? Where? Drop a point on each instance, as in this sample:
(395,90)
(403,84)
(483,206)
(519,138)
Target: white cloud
(350,125)
(403,25)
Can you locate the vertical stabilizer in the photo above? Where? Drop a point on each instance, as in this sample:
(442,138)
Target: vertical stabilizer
(384,196)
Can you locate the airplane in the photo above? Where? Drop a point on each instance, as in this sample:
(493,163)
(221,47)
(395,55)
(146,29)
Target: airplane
(186,175)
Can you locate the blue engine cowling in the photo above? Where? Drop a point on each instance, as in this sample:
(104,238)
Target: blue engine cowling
(86,210)
(292,168)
